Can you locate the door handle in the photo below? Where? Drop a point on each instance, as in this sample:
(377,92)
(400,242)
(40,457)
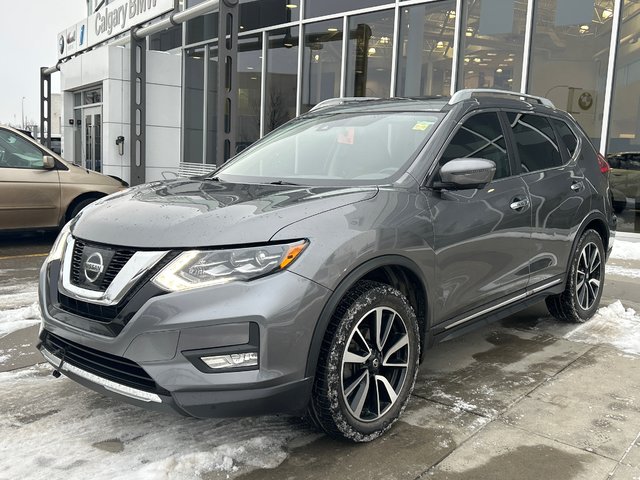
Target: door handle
(519,204)
(577,186)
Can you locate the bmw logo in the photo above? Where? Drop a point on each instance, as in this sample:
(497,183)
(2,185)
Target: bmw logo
(93,267)
(61,44)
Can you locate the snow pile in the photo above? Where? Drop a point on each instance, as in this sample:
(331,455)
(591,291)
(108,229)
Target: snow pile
(613,325)
(623,250)
(103,438)
(18,318)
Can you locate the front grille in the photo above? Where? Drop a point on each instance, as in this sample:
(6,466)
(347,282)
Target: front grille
(100,313)
(120,257)
(108,319)
(117,369)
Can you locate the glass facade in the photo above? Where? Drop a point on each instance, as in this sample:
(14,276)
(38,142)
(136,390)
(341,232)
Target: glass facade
(492,45)
(425,53)
(624,128)
(370,54)
(295,53)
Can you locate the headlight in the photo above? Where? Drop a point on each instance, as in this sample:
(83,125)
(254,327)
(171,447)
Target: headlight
(58,247)
(198,268)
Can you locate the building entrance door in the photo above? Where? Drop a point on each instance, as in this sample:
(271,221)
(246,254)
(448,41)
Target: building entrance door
(92,138)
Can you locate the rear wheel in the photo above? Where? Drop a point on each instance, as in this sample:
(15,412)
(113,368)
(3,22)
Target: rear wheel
(581,297)
(368,363)
(78,207)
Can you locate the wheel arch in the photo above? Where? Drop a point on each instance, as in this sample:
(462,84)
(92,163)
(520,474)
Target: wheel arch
(394,270)
(95,195)
(594,221)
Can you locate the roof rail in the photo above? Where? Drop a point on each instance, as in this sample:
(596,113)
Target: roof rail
(467,94)
(332,102)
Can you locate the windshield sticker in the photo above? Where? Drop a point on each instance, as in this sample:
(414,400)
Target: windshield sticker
(422,126)
(347,136)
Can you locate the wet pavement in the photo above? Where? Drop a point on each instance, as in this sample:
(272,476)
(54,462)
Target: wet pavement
(512,400)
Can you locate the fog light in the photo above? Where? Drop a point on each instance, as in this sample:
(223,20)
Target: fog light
(234,360)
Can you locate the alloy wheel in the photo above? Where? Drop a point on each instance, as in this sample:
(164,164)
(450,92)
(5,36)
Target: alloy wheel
(588,276)
(375,364)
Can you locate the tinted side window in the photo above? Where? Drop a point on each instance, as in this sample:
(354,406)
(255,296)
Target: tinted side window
(480,136)
(16,152)
(567,135)
(535,141)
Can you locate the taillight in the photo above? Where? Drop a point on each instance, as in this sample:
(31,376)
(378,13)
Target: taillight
(602,163)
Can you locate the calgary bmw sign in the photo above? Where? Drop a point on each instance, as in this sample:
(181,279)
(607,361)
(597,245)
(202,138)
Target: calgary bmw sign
(111,20)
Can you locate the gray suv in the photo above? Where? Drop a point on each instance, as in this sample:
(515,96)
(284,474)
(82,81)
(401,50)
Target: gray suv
(311,272)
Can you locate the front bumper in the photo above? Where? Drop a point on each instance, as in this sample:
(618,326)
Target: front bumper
(160,335)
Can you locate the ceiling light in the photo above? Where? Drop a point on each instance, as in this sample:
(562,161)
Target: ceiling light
(332,29)
(254,78)
(498,70)
(384,40)
(483,64)
(379,69)
(470,71)
(440,44)
(451,14)
(469,32)
(477,60)
(510,80)
(466,60)
(607,13)
(372,51)
(491,54)
(291,5)
(249,68)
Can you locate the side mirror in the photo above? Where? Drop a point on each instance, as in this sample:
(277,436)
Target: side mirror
(466,173)
(48,162)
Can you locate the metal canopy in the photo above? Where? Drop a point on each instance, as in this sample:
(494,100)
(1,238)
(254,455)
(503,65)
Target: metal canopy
(227,92)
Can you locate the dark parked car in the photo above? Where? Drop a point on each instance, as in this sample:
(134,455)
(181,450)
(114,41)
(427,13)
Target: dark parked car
(311,273)
(625,179)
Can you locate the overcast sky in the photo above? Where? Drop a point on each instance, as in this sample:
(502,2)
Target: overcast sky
(28,34)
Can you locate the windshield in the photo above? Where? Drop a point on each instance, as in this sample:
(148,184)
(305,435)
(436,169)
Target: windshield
(335,149)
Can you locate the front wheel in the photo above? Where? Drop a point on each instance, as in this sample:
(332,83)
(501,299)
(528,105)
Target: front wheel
(368,363)
(581,297)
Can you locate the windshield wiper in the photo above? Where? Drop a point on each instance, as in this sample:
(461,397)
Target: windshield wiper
(284,182)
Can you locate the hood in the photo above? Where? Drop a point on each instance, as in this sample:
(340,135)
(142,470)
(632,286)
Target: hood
(190,213)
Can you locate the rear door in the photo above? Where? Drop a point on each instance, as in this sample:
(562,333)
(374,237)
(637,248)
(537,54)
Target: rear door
(482,235)
(547,154)
(29,193)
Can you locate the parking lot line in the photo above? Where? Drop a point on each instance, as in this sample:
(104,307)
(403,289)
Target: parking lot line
(25,256)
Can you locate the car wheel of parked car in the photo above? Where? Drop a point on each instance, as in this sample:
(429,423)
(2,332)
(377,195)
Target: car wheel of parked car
(77,208)
(580,300)
(368,363)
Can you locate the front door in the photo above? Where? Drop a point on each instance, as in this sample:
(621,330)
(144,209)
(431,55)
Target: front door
(29,193)
(92,138)
(482,236)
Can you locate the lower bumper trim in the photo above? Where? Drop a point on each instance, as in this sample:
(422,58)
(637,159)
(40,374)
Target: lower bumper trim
(130,392)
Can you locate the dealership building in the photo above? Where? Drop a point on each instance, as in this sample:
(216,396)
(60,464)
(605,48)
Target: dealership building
(288,55)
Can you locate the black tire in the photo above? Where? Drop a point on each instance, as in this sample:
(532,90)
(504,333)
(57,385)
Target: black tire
(332,408)
(574,304)
(77,208)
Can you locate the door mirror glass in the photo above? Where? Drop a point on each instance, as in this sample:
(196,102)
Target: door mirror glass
(48,162)
(467,173)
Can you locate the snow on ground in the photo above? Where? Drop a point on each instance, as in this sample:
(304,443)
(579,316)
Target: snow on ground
(18,318)
(623,271)
(67,431)
(614,325)
(624,250)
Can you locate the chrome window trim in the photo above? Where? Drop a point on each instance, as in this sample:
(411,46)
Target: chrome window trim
(133,270)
